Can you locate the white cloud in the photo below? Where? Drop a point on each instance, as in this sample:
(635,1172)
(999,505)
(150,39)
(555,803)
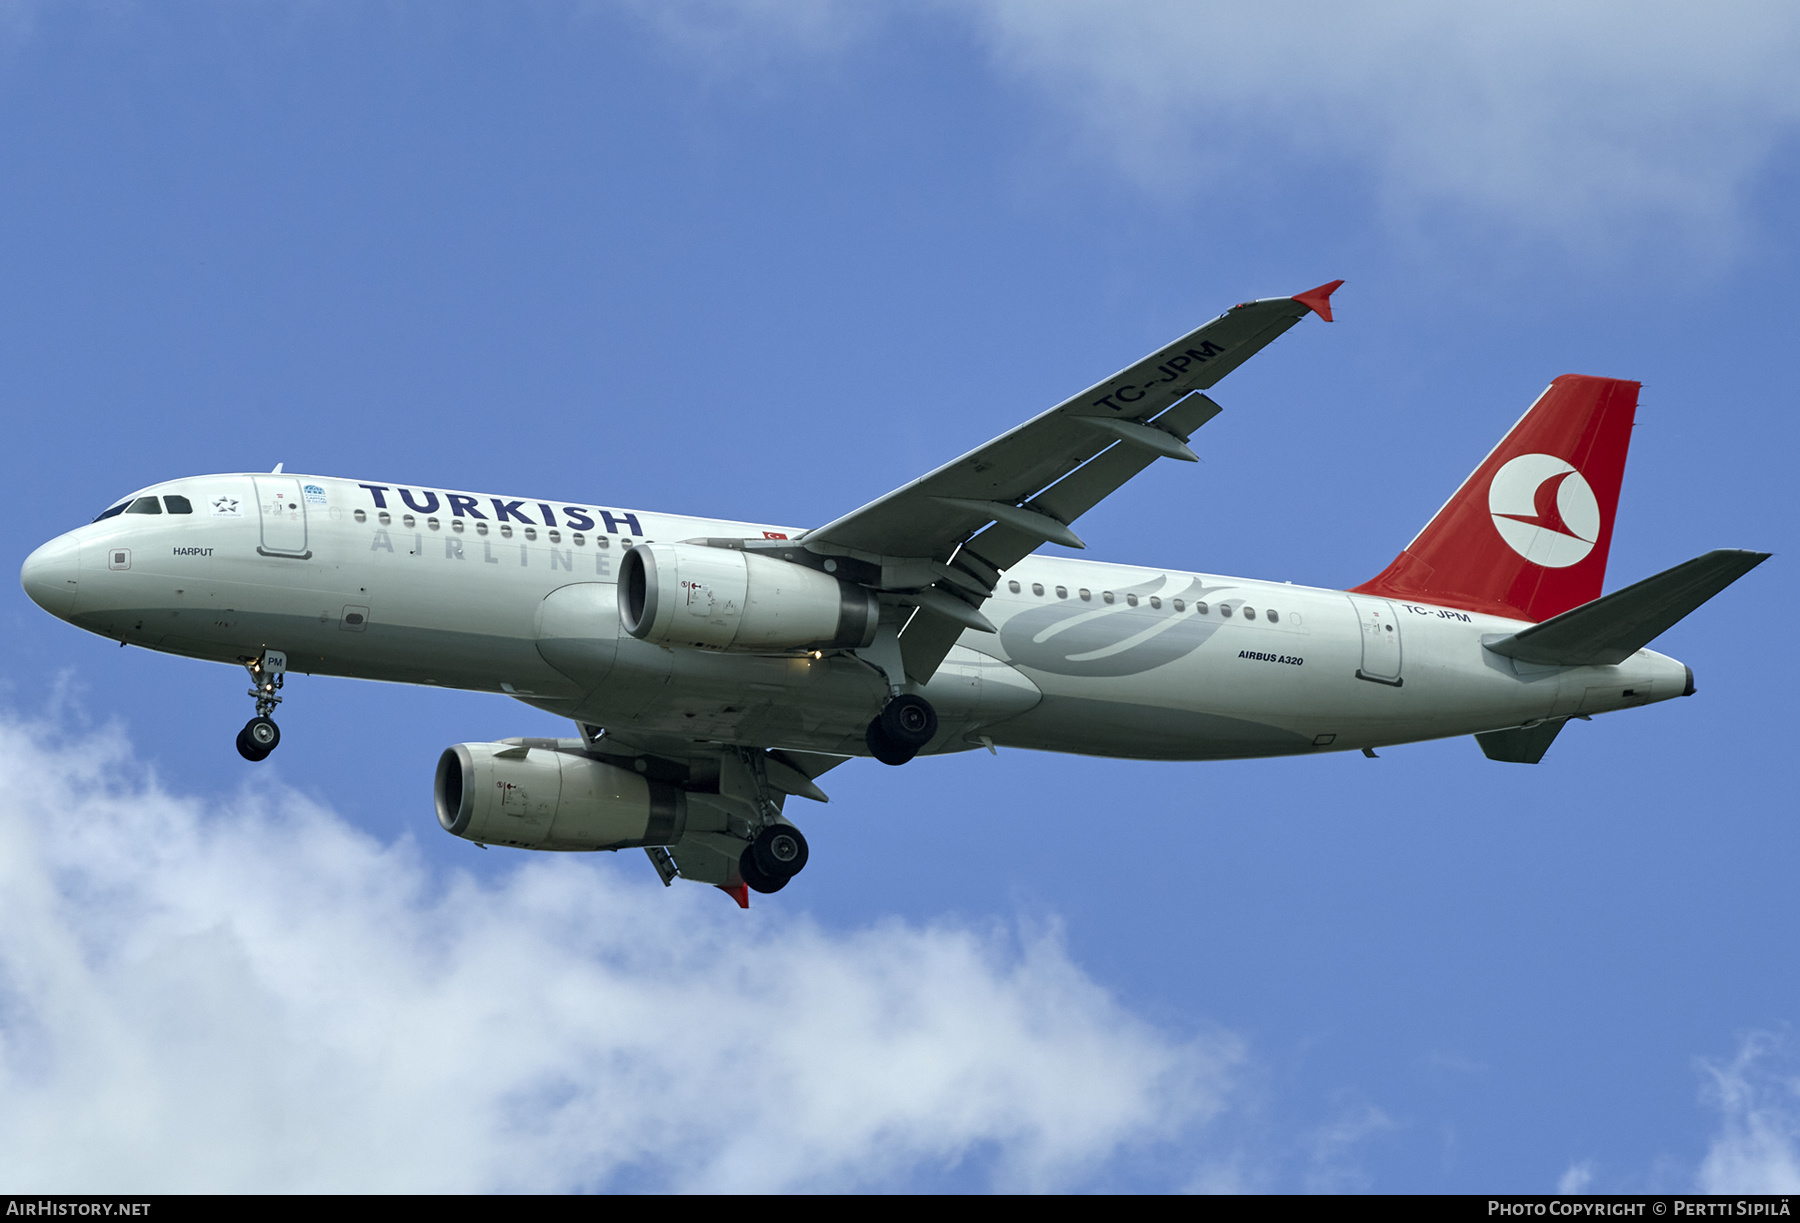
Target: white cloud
(1334,1150)
(263,998)
(1589,125)
(1576,1178)
(1550,119)
(1757,1148)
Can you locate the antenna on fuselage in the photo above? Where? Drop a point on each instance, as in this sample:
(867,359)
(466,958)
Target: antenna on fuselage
(278,468)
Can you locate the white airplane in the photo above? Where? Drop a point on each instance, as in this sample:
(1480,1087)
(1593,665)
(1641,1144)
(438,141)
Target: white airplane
(717,668)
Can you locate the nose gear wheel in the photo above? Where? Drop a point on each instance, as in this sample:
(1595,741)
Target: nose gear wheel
(260,736)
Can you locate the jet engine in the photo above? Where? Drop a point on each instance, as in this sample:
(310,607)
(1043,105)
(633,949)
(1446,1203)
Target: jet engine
(543,798)
(723,599)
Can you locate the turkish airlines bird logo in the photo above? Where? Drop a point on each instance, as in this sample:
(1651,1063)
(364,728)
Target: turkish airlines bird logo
(1544,510)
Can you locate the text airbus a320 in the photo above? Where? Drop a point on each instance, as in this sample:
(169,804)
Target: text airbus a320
(716,669)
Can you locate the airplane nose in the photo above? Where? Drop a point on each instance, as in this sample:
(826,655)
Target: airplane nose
(50,574)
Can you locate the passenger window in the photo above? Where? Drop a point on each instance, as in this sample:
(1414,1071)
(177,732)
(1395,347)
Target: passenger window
(530,532)
(385,518)
(1180,606)
(1155,602)
(1225,610)
(578,539)
(1274,616)
(1086,594)
(362,516)
(1037,588)
(556,537)
(602,541)
(456,524)
(1106,596)
(432,523)
(406,520)
(1249,612)
(1062,592)
(506,530)
(117,509)
(1200,608)
(1013,586)
(178,505)
(144,505)
(1131,599)
(481,528)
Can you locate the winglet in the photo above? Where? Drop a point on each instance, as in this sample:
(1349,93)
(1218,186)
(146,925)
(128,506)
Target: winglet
(1319,300)
(740,893)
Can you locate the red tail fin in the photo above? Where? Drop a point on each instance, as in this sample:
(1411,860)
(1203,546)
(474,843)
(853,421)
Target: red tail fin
(1527,535)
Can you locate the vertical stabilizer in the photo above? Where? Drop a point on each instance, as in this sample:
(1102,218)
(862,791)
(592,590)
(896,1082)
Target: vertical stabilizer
(1527,535)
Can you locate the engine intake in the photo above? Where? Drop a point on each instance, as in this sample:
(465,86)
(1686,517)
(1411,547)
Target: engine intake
(542,799)
(723,599)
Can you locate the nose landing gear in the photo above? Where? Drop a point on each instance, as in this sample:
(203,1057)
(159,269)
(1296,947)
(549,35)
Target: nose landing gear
(906,724)
(260,735)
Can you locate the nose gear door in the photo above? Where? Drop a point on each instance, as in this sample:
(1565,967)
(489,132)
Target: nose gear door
(283,517)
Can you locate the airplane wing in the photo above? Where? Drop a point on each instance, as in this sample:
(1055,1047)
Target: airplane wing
(942,541)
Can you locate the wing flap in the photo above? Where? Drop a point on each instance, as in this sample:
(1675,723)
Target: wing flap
(946,537)
(929,517)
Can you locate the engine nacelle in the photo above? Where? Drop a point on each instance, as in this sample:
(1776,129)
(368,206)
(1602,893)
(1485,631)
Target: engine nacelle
(538,798)
(724,599)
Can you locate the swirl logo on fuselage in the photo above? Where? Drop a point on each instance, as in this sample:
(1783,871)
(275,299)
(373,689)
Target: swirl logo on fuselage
(1544,510)
(1070,637)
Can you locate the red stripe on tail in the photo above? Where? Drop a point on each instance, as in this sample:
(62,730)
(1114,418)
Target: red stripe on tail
(1527,535)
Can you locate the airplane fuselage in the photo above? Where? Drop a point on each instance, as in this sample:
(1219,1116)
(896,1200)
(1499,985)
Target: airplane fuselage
(519,596)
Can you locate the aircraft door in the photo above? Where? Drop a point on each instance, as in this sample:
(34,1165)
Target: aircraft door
(1380,640)
(283,512)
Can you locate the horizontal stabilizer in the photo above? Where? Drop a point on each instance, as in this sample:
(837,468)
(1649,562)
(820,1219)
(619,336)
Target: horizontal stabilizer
(1614,627)
(1522,744)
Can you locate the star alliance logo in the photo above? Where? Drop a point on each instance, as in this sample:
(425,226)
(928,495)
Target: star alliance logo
(226,507)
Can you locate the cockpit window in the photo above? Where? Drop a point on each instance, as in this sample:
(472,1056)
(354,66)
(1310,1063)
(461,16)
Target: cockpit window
(144,505)
(178,505)
(117,509)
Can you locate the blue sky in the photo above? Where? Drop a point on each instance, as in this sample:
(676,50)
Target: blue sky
(769,261)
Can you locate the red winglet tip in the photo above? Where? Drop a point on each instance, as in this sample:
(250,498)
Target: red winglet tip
(1319,300)
(740,893)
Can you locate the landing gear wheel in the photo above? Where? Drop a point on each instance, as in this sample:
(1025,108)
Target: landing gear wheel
(906,724)
(909,721)
(780,851)
(259,737)
(753,874)
(884,749)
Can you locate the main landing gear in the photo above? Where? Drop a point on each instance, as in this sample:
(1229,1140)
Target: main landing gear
(776,851)
(906,724)
(776,855)
(260,735)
